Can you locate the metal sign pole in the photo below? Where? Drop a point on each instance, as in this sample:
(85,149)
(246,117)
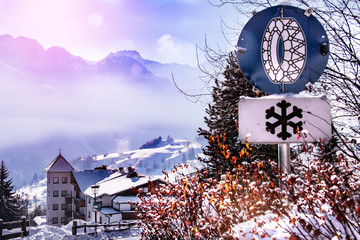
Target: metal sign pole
(284,158)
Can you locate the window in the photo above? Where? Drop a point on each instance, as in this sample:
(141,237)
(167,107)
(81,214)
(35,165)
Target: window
(63,220)
(55,220)
(64,180)
(89,214)
(56,180)
(63,193)
(55,193)
(55,206)
(48,179)
(63,206)
(89,200)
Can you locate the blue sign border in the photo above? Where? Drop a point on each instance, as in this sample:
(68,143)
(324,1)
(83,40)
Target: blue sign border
(250,41)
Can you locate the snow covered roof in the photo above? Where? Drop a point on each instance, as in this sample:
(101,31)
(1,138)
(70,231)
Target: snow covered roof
(126,199)
(109,211)
(119,182)
(40,220)
(59,164)
(86,178)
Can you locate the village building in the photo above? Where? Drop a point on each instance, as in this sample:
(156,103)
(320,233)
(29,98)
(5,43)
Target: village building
(70,193)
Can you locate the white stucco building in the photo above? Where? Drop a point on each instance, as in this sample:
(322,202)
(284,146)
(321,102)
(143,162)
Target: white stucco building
(69,194)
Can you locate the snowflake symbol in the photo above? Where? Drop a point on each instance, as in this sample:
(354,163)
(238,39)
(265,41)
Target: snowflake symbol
(283,119)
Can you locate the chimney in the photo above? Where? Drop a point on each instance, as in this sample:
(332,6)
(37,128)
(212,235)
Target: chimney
(131,172)
(103,167)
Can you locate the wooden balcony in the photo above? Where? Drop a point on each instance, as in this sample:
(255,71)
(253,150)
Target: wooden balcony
(68,200)
(68,213)
(79,216)
(79,202)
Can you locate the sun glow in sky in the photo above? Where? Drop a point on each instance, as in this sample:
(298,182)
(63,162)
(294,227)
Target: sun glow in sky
(166,31)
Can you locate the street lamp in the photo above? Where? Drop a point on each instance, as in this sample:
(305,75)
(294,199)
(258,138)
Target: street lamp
(95,190)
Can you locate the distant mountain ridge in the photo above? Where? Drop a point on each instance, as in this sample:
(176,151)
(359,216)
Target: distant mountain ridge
(30,57)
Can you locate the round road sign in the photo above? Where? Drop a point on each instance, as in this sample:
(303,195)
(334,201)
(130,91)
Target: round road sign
(283,48)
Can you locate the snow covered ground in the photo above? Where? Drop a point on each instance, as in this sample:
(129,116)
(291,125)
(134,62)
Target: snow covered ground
(58,233)
(244,231)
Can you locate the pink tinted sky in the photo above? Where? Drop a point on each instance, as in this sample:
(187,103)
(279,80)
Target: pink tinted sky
(162,30)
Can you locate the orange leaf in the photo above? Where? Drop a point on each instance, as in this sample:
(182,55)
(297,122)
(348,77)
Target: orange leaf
(172,207)
(242,152)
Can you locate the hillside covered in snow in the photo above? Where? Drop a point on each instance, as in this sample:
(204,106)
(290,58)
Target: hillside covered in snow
(152,158)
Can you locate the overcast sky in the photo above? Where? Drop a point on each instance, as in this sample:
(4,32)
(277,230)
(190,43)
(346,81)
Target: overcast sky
(162,30)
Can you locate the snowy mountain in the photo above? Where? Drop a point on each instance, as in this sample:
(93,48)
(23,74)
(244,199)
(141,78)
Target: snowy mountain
(124,62)
(148,161)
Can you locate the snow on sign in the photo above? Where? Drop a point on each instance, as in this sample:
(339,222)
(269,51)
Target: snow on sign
(282,119)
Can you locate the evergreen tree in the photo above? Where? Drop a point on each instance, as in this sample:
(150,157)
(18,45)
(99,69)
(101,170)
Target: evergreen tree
(9,203)
(155,164)
(191,153)
(222,121)
(183,158)
(35,178)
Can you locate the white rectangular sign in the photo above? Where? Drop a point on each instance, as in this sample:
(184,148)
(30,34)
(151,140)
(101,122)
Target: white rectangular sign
(282,119)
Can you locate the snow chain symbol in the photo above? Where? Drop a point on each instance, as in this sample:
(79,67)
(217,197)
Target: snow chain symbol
(283,50)
(283,119)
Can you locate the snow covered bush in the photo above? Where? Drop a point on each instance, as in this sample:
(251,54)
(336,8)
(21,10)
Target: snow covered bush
(196,206)
(325,190)
(319,200)
(180,210)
